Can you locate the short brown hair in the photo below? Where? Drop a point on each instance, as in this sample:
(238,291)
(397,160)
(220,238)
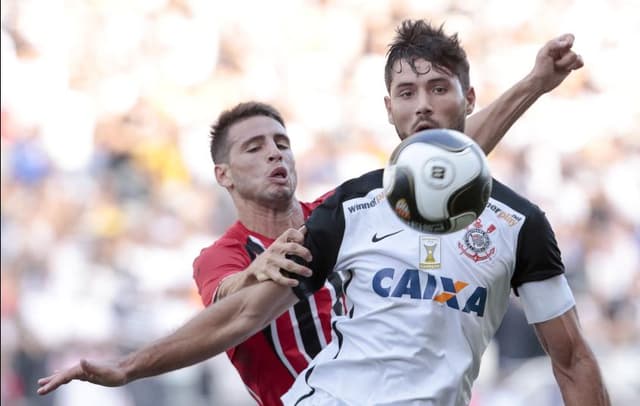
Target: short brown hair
(418,39)
(220,129)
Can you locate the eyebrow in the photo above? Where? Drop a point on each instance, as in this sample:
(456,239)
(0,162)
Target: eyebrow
(430,81)
(277,136)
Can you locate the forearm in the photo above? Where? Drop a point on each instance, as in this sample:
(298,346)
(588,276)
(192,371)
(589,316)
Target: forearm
(581,384)
(489,125)
(212,331)
(574,365)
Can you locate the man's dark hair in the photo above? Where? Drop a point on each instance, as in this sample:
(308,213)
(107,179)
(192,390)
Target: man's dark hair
(418,39)
(219,147)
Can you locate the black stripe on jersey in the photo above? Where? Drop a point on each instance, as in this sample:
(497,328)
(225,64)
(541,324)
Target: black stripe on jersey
(339,337)
(537,254)
(313,390)
(325,230)
(253,249)
(308,331)
(336,282)
(349,278)
(267,332)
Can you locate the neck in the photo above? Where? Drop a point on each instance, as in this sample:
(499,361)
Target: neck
(270,221)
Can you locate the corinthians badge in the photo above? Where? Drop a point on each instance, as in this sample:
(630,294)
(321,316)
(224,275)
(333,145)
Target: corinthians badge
(476,243)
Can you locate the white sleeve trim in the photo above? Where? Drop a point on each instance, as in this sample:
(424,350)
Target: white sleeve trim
(544,300)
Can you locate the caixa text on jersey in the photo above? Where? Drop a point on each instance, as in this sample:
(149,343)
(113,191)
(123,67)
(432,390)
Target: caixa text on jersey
(409,285)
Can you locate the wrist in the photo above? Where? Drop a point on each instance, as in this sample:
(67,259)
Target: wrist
(534,85)
(128,369)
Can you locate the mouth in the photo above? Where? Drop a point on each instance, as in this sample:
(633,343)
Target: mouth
(279,174)
(424,125)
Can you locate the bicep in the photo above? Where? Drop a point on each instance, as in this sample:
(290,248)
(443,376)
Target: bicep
(214,266)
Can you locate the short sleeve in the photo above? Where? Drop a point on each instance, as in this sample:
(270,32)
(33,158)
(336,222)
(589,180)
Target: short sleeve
(538,255)
(216,263)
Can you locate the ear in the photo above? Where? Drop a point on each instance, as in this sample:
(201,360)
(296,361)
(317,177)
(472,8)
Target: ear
(470,99)
(223,175)
(387,105)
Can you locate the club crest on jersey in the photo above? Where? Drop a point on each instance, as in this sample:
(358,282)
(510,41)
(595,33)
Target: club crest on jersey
(476,243)
(429,252)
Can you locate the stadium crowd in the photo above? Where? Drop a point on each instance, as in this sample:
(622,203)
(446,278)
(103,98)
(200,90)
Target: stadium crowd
(108,192)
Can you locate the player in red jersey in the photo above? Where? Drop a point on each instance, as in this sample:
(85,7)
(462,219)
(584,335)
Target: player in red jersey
(254,162)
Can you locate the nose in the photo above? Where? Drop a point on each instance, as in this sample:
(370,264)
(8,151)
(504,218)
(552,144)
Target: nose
(274,153)
(423,107)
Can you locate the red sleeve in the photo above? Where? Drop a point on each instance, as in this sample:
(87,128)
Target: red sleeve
(215,263)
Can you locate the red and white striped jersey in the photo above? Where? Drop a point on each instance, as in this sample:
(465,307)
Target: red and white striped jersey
(269,361)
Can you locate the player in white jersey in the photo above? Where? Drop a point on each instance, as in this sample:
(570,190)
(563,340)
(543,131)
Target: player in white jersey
(422,308)
(419,318)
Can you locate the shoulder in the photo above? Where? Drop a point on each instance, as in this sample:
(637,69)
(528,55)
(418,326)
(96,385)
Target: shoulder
(515,208)
(512,199)
(358,187)
(230,248)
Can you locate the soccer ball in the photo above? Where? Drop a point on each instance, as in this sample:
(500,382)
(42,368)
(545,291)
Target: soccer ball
(437,181)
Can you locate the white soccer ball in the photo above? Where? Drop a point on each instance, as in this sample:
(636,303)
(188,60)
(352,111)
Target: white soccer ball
(437,181)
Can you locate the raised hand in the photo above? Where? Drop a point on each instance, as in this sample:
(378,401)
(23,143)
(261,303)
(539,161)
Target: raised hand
(555,61)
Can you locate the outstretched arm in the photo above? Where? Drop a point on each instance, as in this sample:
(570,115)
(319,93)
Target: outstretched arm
(213,330)
(554,62)
(574,365)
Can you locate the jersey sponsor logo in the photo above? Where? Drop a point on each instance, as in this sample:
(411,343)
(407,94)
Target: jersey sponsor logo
(439,289)
(476,242)
(510,218)
(375,237)
(366,205)
(429,252)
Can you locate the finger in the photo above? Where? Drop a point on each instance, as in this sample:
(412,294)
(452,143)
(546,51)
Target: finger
(566,61)
(296,236)
(563,41)
(290,235)
(294,267)
(303,230)
(556,48)
(301,251)
(579,63)
(285,281)
(288,265)
(275,275)
(45,380)
(51,383)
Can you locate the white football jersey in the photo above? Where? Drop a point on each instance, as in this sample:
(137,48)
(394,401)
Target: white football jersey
(422,308)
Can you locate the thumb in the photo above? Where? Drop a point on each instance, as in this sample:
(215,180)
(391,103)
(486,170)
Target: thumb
(89,369)
(102,374)
(303,229)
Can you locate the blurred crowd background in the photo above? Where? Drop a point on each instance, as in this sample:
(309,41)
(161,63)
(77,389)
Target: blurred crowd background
(108,191)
